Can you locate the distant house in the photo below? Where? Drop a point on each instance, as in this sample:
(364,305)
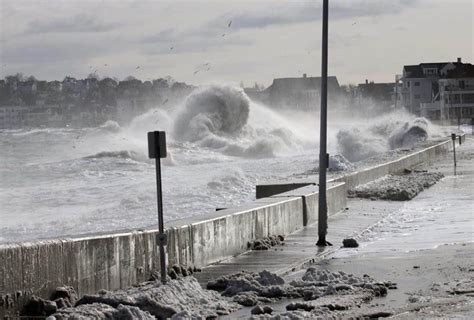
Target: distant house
(91,83)
(380,92)
(457,93)
(300,93)
(73,86)
(257,94)
(69,84)
(130,87)
(26,87)
(12,117)
(54,86)
(430,89)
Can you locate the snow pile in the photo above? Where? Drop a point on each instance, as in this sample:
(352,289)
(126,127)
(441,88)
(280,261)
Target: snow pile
(178,299)
(249,288)
(101,311)
(396,188)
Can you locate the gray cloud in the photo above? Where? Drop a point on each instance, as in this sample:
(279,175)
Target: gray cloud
(300,12)
(52,53)
(167,35)
(197,40)
(211,33)
(77,23)
(194,44)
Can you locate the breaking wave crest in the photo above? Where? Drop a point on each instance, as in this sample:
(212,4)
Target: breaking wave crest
(391,131)
(212,110)
(123,154)
(111,126)
(217,117)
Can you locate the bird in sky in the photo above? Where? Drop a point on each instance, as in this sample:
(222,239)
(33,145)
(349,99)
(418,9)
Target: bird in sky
(229,24)
(138,67)
(171,48)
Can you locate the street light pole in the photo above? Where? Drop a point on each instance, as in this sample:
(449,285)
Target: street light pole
(323,156)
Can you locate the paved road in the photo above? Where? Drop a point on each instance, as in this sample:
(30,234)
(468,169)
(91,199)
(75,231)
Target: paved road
(441,214)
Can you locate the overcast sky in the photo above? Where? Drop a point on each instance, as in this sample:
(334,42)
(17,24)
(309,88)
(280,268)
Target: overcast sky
(231,41)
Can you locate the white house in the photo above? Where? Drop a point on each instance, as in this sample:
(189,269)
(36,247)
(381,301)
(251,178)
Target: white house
(425,88)
(457,93)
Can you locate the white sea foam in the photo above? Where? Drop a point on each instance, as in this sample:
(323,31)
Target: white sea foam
(58,182)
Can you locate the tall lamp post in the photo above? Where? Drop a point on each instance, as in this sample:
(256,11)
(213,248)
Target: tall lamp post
(323,156)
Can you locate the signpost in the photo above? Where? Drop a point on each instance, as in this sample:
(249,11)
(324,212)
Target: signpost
(453,137)
(472,126)
(157,150)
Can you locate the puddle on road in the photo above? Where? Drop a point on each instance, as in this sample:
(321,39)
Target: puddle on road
(443,214)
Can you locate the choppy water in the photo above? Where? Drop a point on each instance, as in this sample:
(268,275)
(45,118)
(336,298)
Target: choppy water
(62,182)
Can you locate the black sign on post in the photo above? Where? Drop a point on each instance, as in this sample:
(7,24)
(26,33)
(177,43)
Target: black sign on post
(453,137)
(157,150)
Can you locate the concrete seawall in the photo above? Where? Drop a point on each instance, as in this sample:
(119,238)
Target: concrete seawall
(122,259)
(353,179)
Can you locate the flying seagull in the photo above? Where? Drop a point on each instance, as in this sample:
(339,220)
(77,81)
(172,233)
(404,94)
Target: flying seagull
(230,23)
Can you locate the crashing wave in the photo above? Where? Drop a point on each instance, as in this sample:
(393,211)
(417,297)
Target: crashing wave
(216,110)
(340,163)
(217,117)
(123,154)
(409,134)
(386,133)
(356,145)
(111,126)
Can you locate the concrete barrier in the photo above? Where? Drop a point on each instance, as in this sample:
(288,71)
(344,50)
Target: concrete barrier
(365,175)
(225,233)
(396,166)
(268,190)
(120,260)
(336,197)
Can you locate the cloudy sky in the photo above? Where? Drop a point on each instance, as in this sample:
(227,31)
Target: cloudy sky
(201,41)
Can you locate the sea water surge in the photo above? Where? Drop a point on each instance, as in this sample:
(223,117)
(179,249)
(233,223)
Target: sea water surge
(64,182)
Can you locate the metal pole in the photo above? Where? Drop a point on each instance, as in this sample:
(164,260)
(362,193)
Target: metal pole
(161,233)
(323,157)
(453,137)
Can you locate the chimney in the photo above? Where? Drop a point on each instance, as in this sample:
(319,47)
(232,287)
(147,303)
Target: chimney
(459,60)
(304,75)
(366,81)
